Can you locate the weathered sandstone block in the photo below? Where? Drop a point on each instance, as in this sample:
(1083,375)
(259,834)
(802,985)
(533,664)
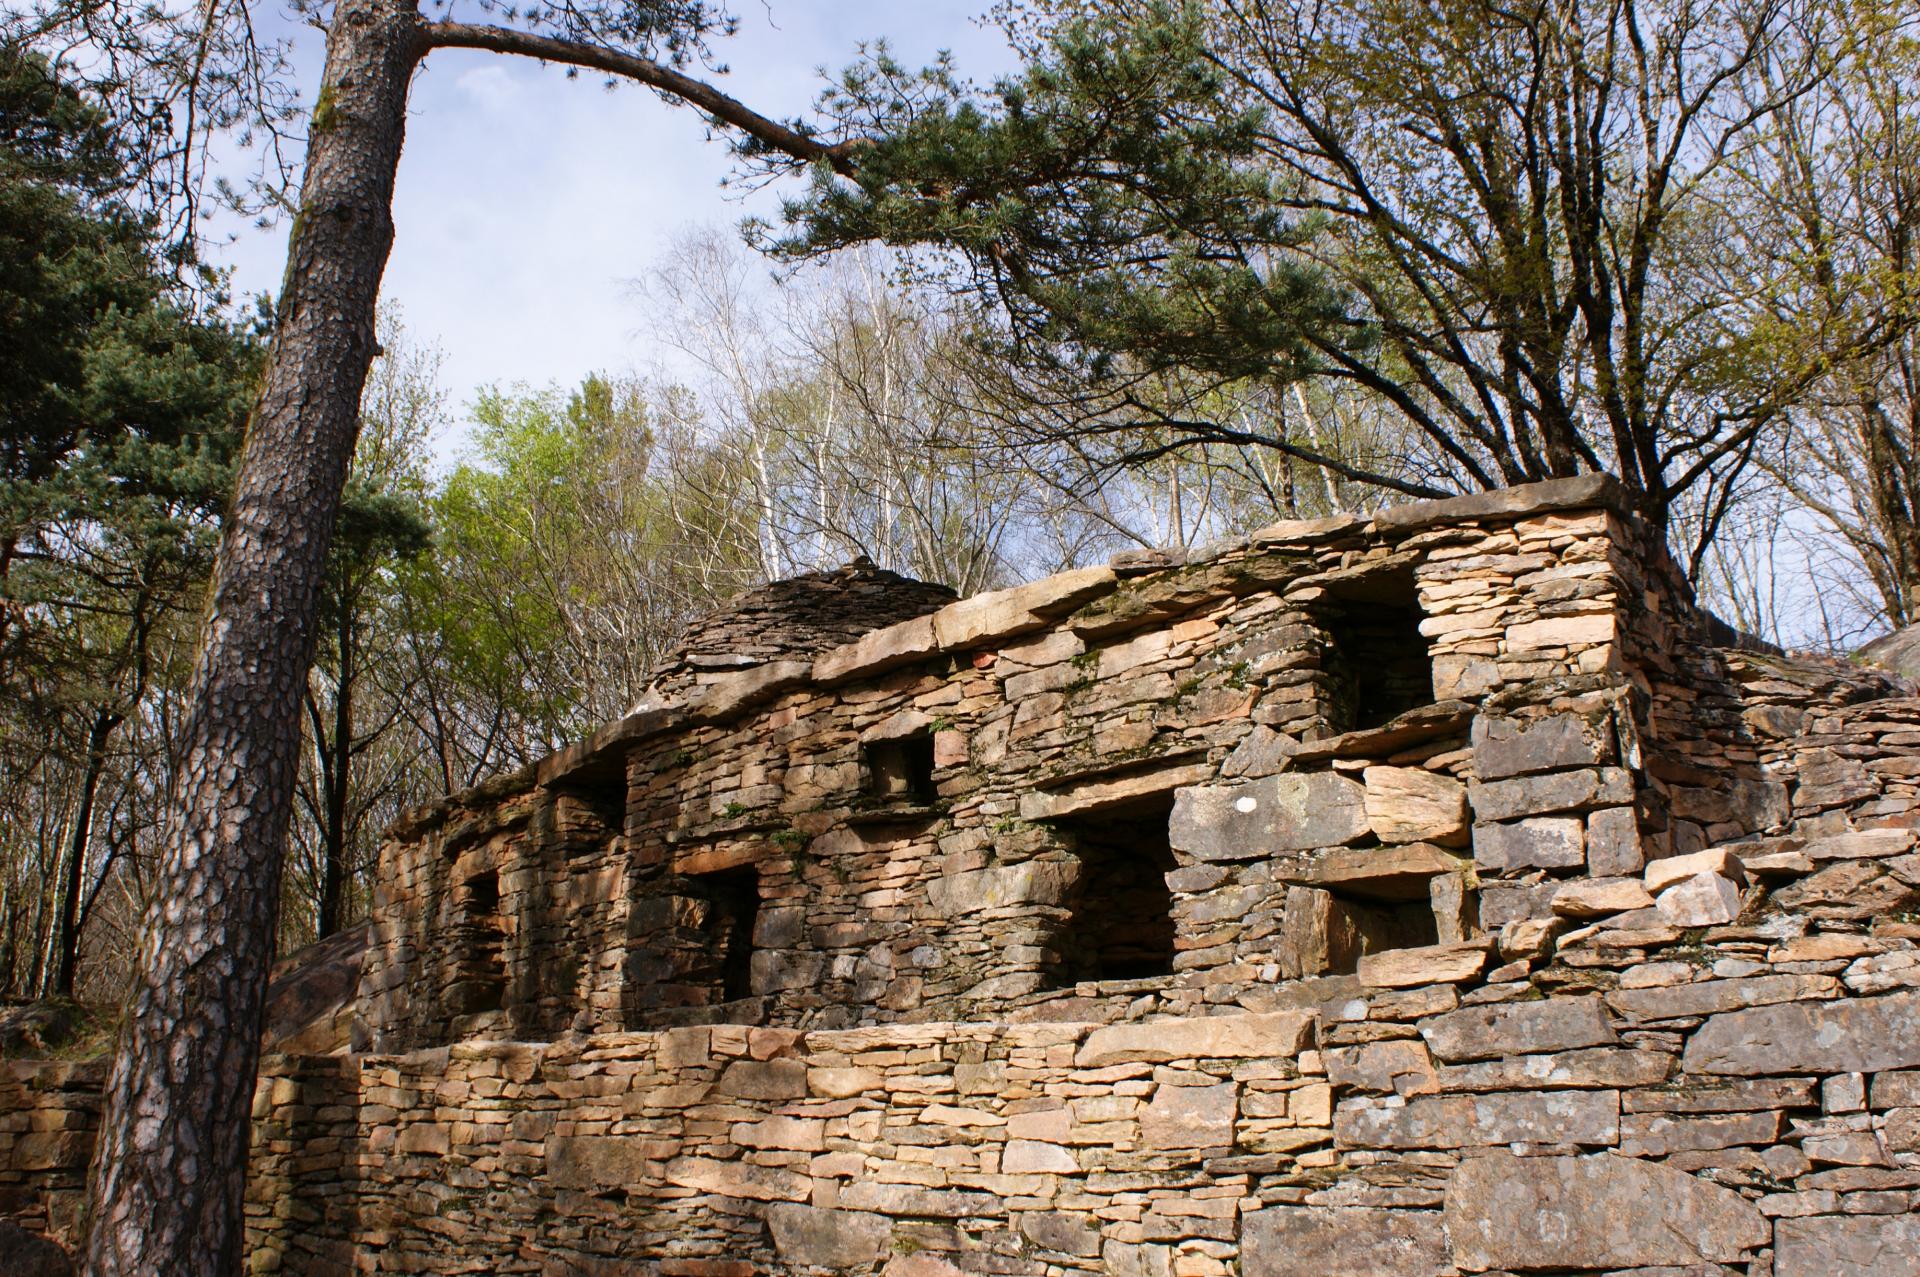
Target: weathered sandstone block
(1519,1028)
(1190,1117)
(1848,1246)
(1859,1036)
(1282,1241)
(1428,964)
(1541,842)
(810,1236)
(1289,812)
(1598,897)
(1464,1121)
(1503,747)
(1598,1212)
(1704,900)
(1412,804)
(1550,792)
(1213,1037)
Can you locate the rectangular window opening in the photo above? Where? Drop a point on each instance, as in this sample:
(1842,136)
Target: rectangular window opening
(1354,927)
(731,899)
(900,771)
(1121,923)
(480,978)
(1375,660)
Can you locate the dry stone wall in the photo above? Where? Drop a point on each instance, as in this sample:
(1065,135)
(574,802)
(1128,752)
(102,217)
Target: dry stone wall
(945,817)
(1424,894)
(1742,1099)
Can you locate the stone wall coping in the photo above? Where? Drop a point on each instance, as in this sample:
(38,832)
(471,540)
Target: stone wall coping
(1581,492)
(1239,1035)
(984,619)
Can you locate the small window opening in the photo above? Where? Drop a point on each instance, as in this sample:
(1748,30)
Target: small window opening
(901,771)
(1375,659)
(1354,928)
(591,812)
(480,980)
(732,908)
(1121,924)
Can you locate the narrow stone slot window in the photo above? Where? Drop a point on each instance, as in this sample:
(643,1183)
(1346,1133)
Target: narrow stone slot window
(900,771)
(1374,658)
(480,977)
(1121,925)
(732,908)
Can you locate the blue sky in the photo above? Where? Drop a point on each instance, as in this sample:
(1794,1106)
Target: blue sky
(528,203)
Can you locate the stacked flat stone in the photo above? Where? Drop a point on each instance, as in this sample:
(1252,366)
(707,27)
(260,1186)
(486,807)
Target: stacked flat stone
(1602,962)
(792,618)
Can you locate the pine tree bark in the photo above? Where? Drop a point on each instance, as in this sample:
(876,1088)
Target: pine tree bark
(170,1169)
(171,1165)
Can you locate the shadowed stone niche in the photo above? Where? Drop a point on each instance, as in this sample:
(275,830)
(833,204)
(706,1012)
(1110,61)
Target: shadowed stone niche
(1374,657)
(479,976)
(1120,925)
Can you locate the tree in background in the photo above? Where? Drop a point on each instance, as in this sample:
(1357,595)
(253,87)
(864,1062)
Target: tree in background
(358,692)
(1506,224)
(170,1172)
(119,412)
(1830,203)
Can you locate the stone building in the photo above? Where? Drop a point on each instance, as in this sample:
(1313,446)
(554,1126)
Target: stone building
(1428,893)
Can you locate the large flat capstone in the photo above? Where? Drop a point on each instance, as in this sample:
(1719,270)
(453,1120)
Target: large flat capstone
(1862,1035)
(1288,812)
(1603,1211)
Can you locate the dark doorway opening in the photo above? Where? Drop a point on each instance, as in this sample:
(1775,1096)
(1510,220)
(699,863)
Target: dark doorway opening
(1374,658)
(1121,924)
(732,908)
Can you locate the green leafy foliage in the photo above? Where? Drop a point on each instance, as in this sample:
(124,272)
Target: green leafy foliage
(1106,196)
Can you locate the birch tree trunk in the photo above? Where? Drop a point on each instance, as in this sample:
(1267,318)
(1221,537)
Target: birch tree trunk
(171,1165)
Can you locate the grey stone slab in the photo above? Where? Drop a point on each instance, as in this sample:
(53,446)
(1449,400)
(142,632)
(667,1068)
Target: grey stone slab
(1599,1212)
(1504,747)
(1550,792)
(1519,1028)
(1289,812)
(820,1238)
(1863,1035)
(1467,1121)
(1848,1246)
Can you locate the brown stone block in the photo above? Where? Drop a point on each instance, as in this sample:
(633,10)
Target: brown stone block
(1287,1241)
(1848,1246)
(1519,1028)
(1863,1035)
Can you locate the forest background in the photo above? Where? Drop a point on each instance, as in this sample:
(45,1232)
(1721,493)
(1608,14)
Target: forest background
(1718,283)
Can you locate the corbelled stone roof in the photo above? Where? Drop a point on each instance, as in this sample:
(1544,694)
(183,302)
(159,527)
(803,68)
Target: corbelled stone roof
(796,617)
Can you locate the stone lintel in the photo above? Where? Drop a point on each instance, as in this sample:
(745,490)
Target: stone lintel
(1581,492)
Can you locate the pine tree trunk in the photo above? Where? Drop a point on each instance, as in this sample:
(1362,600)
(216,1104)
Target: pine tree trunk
(170,1170)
